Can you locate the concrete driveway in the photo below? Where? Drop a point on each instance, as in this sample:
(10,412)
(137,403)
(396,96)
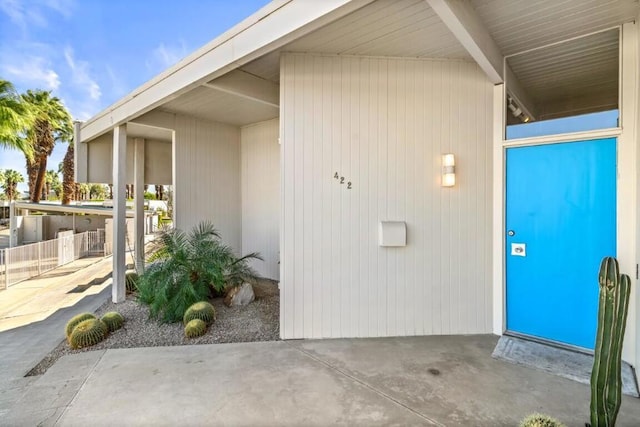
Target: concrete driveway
(447,381)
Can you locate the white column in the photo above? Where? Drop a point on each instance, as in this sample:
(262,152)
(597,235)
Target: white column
(118,290)
(13,225)
(139,203)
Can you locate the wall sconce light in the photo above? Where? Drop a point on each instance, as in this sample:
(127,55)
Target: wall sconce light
(448,170)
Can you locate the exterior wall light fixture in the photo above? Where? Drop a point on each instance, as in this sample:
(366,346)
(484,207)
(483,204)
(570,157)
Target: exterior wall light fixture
(448,170)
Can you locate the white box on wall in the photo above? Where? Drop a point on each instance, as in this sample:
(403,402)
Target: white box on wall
(393,233)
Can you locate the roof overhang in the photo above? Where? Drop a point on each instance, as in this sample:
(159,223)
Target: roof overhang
(69,209)
(234,79)
(275,25)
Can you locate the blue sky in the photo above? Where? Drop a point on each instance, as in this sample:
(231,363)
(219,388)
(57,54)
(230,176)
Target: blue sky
(90,53)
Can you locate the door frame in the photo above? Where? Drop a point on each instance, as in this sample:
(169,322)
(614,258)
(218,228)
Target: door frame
(627,187)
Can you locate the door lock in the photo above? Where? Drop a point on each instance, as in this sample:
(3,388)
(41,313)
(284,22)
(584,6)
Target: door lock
(511,233)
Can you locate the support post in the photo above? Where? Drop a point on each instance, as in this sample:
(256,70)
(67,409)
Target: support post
(118,290)
(139,204)
(13,225)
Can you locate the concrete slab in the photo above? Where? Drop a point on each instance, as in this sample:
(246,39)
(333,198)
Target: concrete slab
(454,380)
(446,381)
(227,384)
(43,418)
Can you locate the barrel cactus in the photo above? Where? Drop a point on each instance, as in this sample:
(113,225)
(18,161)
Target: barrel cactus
(540,420)
(113,320)
(87,333)
(75,320)
(195,328)
(606,377)
(131,281)
(201,310)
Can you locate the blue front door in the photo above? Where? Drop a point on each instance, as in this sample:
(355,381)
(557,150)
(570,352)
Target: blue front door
(561,221)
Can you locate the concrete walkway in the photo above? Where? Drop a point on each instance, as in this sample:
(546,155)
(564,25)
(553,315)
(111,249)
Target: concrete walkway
(38,298)
(32,318)
(450,381)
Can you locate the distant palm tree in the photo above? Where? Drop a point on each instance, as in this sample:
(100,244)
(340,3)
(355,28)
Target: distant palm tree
(52,123)
(68,177)
(84,191)
(15,118)
(51,180)
(10,180)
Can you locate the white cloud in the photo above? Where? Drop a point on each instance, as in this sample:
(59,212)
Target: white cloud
(118,87)
(26,13)
(63,7)
(33,71)
(164,55)
(80,75)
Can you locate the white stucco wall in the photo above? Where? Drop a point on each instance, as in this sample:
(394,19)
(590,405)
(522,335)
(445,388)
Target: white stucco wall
(383,124)
(206,173)
(207,177)
(260,158)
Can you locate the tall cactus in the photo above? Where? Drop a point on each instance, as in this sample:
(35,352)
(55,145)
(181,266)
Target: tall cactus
(606,377)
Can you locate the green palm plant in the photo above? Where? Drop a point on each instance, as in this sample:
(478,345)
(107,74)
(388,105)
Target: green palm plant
(185,267)
(10,181)
(15,119)
(51,123)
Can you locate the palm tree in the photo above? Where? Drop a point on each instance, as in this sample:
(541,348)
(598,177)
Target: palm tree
(84,191)
(52,122)
(10,180)
(15,118)
(97,191)
(68,178)
(51,180)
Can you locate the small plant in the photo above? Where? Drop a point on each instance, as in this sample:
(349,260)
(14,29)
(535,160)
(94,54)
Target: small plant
(540,420)
(195,328)
(73,322)
(113,320)
(606,376)
(87,333)
(201,310)
(131,281)
(186,267)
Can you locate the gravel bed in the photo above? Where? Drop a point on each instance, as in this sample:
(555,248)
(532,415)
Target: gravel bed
(258,321)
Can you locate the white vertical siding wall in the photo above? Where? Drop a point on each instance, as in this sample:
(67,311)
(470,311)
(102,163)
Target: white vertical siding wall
(207,177)
(383,124)
(260,170)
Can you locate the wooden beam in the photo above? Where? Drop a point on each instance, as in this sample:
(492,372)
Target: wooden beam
(247,86)
(466,26)
(520,95)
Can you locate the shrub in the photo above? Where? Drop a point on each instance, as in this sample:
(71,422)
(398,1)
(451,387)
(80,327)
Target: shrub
(195,328)
(201,310)
(540,420)
(87,333)
(113,320)
(73,322)
(185,267)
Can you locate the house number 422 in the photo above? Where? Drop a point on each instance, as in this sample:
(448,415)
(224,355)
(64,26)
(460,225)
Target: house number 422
(341,180)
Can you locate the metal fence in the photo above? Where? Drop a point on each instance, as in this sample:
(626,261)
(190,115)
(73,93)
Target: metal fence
(23,262)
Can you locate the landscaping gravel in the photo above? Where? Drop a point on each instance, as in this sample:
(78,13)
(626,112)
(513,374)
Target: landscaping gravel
(258,321)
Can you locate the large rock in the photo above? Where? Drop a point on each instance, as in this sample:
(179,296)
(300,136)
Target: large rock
(240,295)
